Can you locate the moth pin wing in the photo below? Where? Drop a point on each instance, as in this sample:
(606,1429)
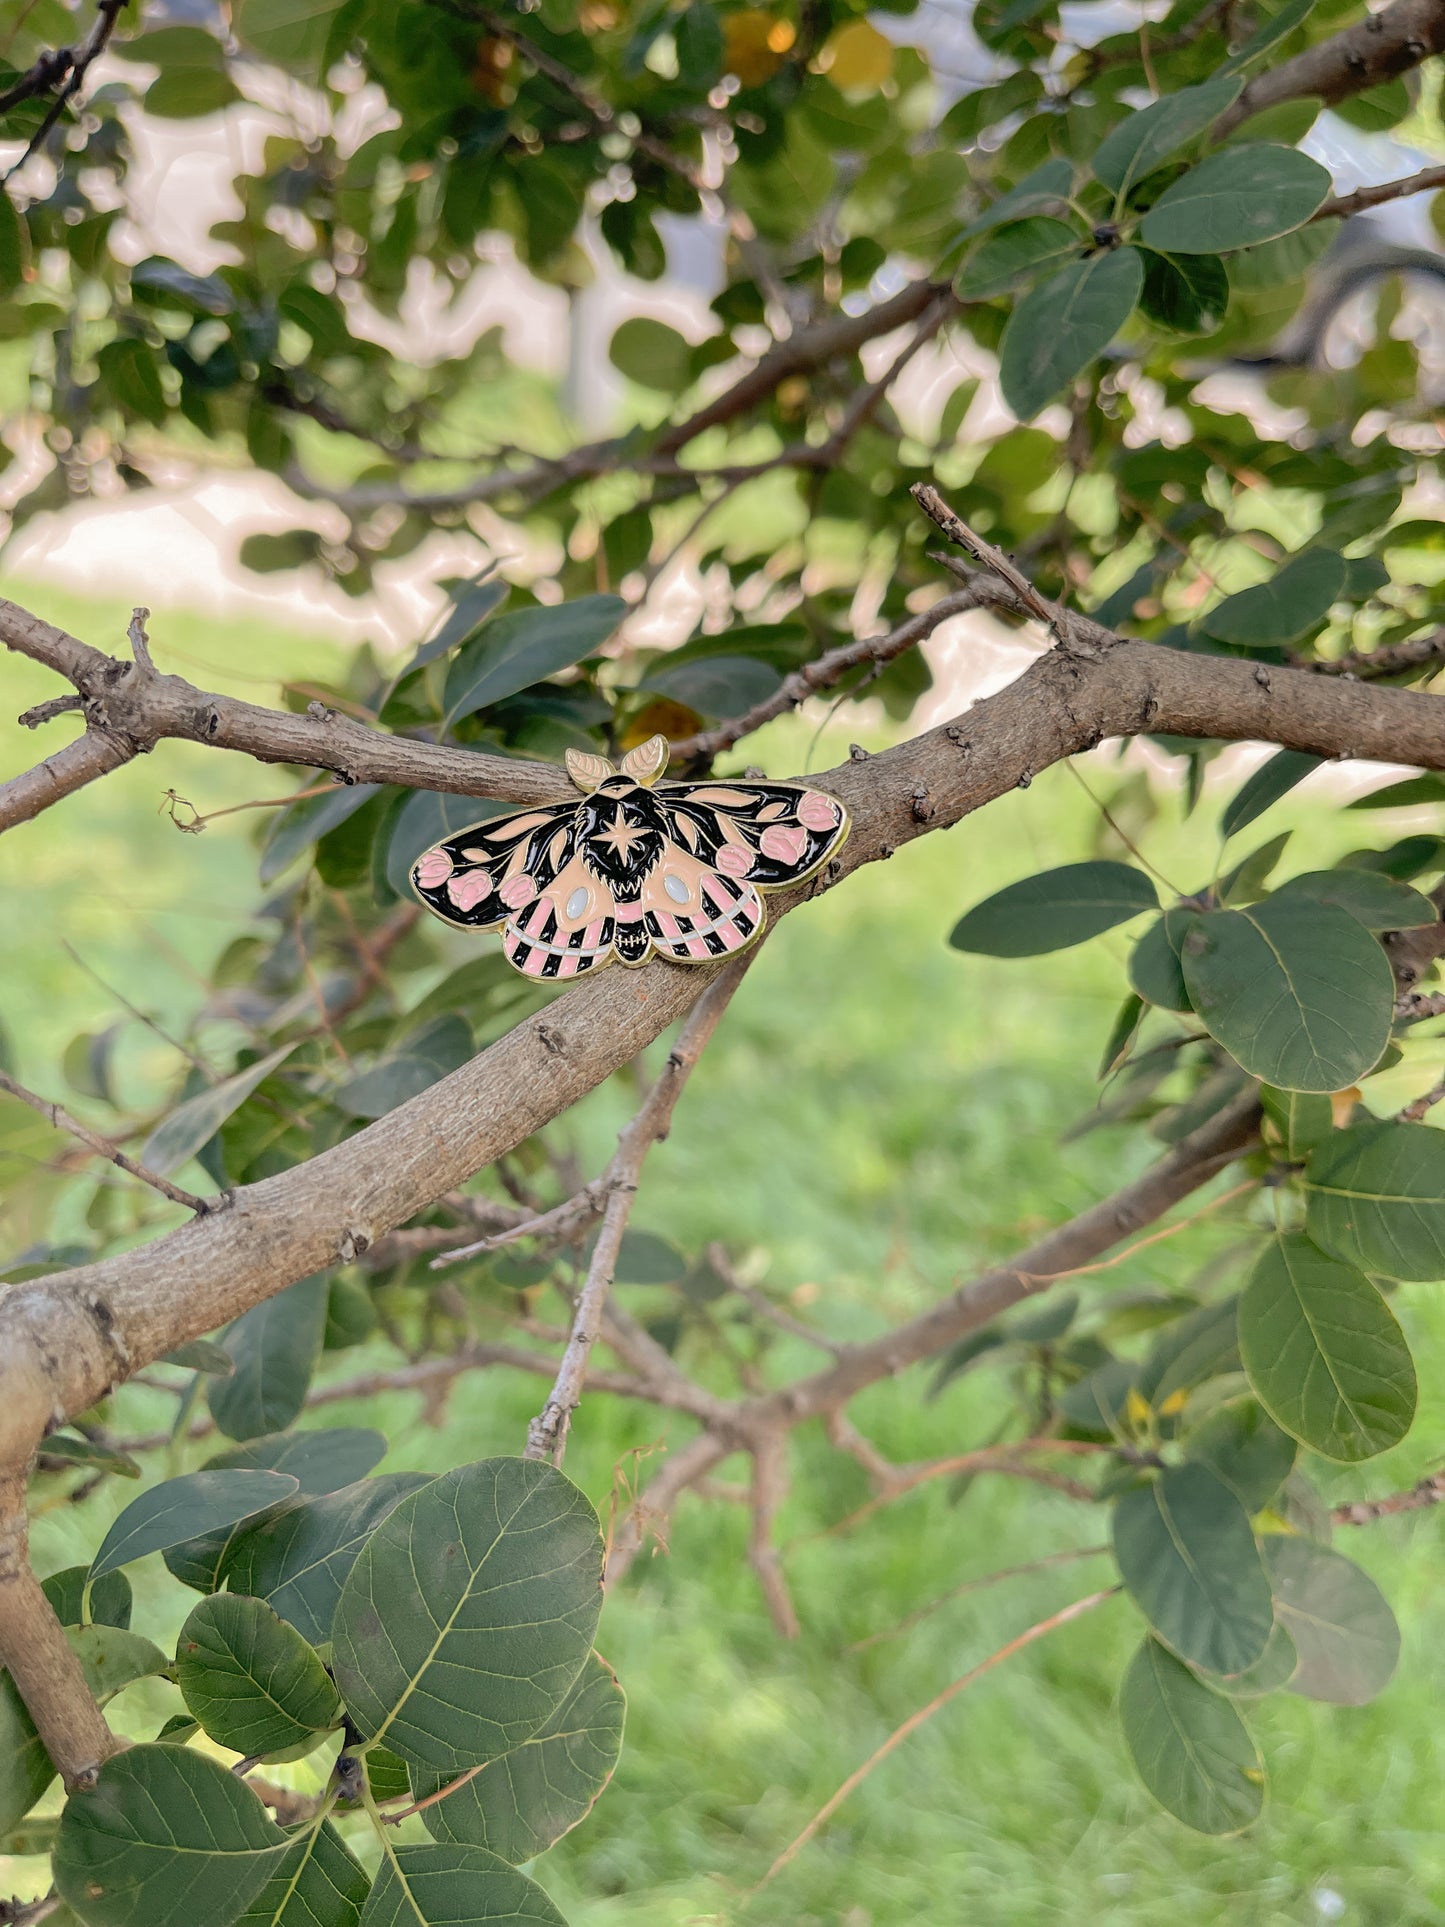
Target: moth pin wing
(449,878)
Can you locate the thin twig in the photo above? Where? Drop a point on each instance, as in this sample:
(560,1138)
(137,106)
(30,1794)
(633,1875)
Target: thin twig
(911,1725)
(1341,206)
(1418,1107)
(547,1434)
(140,642)
(1369,665)
(52,68)
(47,712)
(63,1121)
(1363,1512)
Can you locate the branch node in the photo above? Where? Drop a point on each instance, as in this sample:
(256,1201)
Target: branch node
(140,642)
(857,753)
(46,712)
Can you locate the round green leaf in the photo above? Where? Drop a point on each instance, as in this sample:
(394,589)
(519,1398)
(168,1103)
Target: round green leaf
(273,1350)
(110,1597)
(1016,252)
(470,1612)
(186,93)
(1054,910)
(1139,144)
(651,354)
(250,1679)
(1296,597)
(1243,1445)
(318,1883)
(1274,1668)
(298,1560)
(1058,328)
(185,1508)
(1375,1197)
(716,686)
(1297,991)
(1188,1557)
(452,1886)
(1189,1747)
(166,1838)
(1324,1352)
(514,651)
(1234,198)
(413,1064)
(519,1804)
(1378,902)
(1339,1620)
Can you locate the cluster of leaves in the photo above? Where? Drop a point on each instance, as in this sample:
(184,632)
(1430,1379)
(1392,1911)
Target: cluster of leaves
(1220,1538)
(437,1632)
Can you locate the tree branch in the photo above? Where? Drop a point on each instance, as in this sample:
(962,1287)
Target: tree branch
(1377,48)
(63,1121)
(1369,665)
(547,1434)
(65,64)
(1341,206)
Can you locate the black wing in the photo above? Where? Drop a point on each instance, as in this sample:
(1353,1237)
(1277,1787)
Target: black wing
(480,877)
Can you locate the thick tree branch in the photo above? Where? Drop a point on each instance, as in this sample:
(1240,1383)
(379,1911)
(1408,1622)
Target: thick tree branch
(1377,48)
(35,1652)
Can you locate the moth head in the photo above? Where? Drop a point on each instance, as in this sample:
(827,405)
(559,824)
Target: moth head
(647,762)
(588,772)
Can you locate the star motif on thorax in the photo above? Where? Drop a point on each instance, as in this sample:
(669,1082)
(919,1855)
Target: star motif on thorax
(622,835)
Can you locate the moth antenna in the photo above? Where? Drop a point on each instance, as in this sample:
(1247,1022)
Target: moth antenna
(587,772)
(647,762)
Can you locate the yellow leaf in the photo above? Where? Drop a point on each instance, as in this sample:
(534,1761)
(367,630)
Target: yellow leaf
(1253,1773)
(1136,1406)
(857,56)
(754,43)
(1342,1106)
(1174,1404)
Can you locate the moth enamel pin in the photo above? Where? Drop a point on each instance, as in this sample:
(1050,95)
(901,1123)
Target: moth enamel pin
(631,870)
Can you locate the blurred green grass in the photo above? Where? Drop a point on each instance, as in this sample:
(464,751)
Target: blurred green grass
(879,1117)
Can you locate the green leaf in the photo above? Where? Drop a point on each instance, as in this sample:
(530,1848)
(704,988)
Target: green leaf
(1045,190)
(1377,109)
(516,650)
(298,1561)
(1154,967)
(1292,602)
(1375,1197)
(317,1883)
(274,1348)
(201,1355)
(112,1657)
(184,1508)
(1399,796)
(128,369)
(1054,910)
(1376,901)
(14,246)
(1324,1352)
(1201,1345)
(76,1450)
(290,33)
(1297,991)
(1058,328)
(110,1597)
(1122,1033)
(167,1838)
(518,1805)
(1341,1624)
(1190,1747)
(1188,1557)
(1013,253)
(1268,35)
(1235,198)
(1274,1668)
(1303,1119)
(411,1065)
(298,828)
(1267,785)
(718,686)
(469,1613)
(1246,880)
(250,1679)
(1145,140)
(1187,294)
(188,93)
(651,354)
(192,1125)
(319,1461)
(450,1886)
(1241,1443)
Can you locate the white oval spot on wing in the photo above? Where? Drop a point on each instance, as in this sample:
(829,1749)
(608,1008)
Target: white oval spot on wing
(675,887)
(578,902)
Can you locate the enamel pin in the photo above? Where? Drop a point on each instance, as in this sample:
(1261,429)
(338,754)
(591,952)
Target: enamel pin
(631,870)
